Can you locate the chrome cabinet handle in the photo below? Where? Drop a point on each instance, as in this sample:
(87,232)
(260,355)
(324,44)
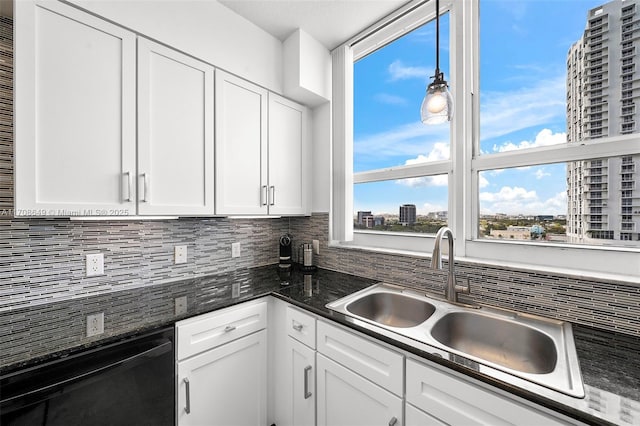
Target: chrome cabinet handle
(298,327)
(145,184)
(128,185)
(187,408)
(393,421)
(264,195)
(307,394)
(272,195)
(229,328)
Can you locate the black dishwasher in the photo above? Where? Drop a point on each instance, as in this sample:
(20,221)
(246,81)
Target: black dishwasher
(129,382)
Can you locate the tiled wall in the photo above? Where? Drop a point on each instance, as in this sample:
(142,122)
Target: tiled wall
(605,304)
(43,260)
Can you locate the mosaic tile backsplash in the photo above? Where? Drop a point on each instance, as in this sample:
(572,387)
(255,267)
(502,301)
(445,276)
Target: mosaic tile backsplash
(43,260)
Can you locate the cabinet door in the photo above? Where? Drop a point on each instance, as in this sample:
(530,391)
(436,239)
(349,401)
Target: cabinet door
(241,146)
(175,132)
(346,398)
(455,400)
(75,113)
(226,385)
(289,165)
(415,417)
(301,382)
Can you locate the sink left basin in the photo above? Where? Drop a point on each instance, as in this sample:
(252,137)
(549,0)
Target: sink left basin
(392,309)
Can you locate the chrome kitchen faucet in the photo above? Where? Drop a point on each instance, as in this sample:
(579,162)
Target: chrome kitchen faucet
(452,289)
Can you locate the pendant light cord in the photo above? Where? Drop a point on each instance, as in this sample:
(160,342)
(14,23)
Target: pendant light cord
(437,38)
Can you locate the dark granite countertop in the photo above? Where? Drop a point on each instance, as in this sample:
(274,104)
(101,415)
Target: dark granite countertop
(609,361)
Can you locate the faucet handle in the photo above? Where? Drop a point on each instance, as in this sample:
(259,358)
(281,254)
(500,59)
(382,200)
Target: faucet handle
(464,289)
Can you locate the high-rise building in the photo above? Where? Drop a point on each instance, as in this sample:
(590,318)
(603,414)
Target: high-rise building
(361,217)
(603,88)
(407,214)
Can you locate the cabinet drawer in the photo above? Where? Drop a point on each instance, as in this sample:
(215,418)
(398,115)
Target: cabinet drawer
(453,400)
(378,364)
(301,327)
(195,335)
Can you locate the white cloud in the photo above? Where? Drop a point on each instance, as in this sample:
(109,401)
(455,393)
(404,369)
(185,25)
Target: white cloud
(386,98)
(506,112)
(520,201)
(540,173)
(399,71)
(508,193)
(427,208)
(545,137)
(482,181)
(405,140)
(439,151)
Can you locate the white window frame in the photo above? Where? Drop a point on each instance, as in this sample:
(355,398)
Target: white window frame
(465,162)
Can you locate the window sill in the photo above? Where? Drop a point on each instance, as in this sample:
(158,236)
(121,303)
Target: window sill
(478,253)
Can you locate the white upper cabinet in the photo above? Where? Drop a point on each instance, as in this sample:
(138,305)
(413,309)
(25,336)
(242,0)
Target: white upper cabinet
(241,146)
(288,157)
(175,132)
(262,151)
(76,118)
(74,112)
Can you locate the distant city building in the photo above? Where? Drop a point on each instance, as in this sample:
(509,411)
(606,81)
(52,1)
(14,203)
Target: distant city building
(602,92)
(544,217)
(513,233)
(537,230)
(361,216)
(407,214)
(438,215)
(378,221)
(368,221)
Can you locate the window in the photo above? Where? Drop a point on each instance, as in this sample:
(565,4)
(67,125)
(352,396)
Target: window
(387,84)
(529,144)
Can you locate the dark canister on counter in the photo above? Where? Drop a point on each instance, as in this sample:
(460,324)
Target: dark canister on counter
(285,252)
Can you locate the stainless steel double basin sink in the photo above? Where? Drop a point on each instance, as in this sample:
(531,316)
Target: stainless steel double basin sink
(533,348)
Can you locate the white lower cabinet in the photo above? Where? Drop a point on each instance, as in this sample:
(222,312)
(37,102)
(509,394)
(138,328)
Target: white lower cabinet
(314,372)
(302,362)
(443,398)
(222,368)
(416,417)
(346,398)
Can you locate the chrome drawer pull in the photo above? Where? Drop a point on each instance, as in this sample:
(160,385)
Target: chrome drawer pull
(307,394)
(264,195)
(187,409)
(298,327)
(393,421)
(272,195)
(145,187)
(229,328)
(128,185)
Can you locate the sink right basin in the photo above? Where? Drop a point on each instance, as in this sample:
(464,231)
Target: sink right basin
(499,341)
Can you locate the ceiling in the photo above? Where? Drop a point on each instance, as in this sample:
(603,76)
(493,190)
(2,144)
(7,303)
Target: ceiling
(331,22)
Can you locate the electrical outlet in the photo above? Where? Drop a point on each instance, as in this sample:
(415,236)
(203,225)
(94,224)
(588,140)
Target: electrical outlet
(95,324)
(235,250)
(316,246)
(95,264)
(181,305)
(235,290)
(180,254)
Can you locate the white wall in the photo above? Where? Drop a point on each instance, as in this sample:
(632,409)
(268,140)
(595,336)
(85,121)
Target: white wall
(204,29)
(321,116)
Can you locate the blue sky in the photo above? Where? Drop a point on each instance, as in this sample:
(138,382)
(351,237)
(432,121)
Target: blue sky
(522,100)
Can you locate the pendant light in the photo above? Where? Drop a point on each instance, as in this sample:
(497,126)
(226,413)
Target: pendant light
(437,105)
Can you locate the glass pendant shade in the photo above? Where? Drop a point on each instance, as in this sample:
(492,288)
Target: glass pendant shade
(437,105)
